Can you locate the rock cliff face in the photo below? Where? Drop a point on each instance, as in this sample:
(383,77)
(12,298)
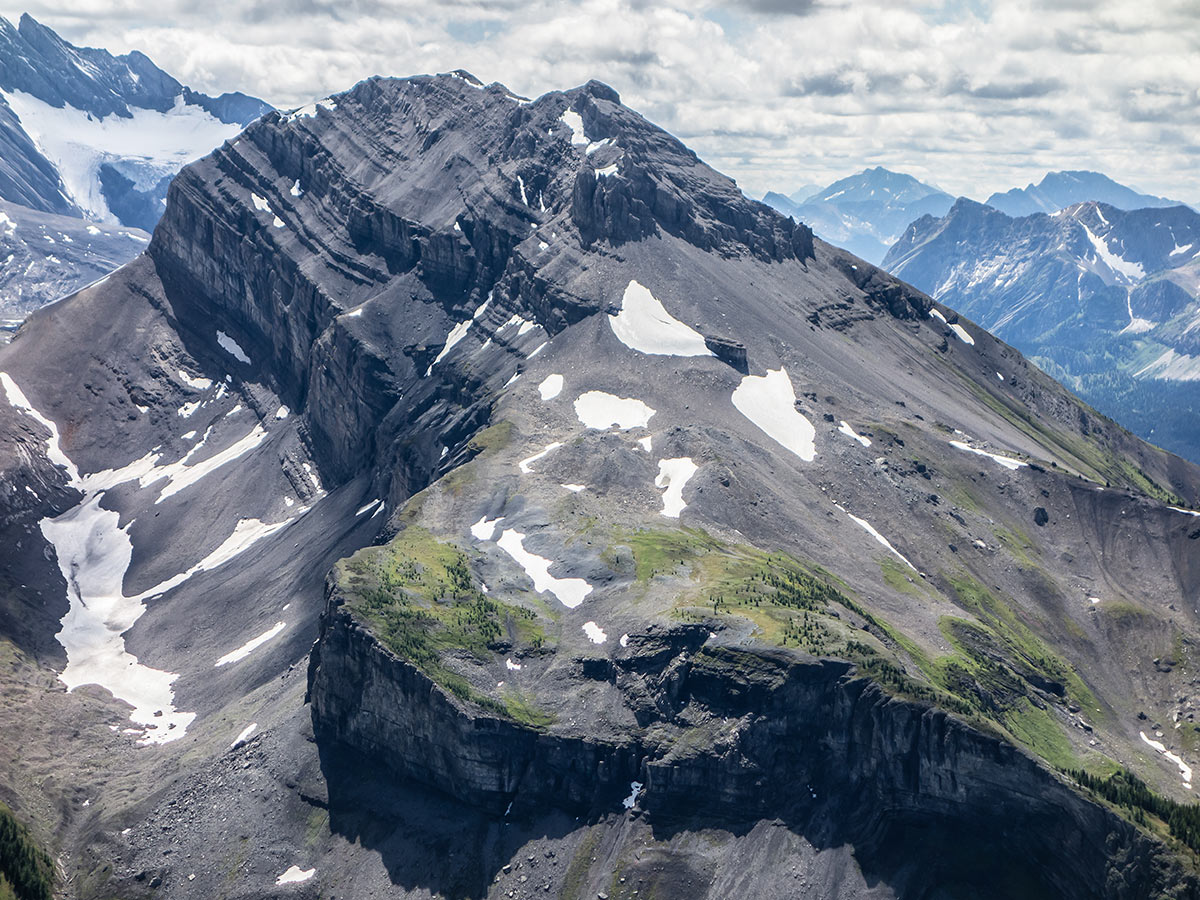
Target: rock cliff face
(926,800)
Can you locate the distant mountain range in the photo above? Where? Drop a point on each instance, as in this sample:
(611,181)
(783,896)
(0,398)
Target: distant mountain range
(83,132)
(1058,190)
(1106,300)
(865,213)
(88,144)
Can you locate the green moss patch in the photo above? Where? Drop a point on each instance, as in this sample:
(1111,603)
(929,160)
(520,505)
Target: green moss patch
(419,599)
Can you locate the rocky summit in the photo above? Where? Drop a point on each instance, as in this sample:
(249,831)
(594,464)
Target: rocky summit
(474,496)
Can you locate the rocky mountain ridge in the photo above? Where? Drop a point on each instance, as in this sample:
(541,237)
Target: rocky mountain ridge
(616,470)
(1058,190)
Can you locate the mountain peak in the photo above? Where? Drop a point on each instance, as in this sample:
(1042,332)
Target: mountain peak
(865,212)
(1058,190)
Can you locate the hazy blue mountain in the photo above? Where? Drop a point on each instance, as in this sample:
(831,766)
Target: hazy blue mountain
(1059,190)
(866,212)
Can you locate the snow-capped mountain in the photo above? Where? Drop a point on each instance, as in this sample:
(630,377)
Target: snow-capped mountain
(648,544)
(867,212)
(1106,299)
(1058,190)
(83,132)
(44,256)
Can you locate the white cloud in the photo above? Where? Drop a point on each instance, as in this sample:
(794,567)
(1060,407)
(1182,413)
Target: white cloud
(974,95)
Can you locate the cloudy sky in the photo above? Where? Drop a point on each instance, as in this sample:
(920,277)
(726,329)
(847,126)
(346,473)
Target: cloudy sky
(971,95)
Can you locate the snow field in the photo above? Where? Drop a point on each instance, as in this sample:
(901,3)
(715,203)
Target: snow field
(1005,461)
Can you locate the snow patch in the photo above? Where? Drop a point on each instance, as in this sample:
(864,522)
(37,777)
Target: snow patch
(1185,771)
(601,410)
(93,554)
(457,333)
(232,347)
(573,488)
(870,529)
(199,384)
(635,788)
(295,875)
(366,508)
(1005,461)
(643,324)
(512,666)
(246,533)
(574,122)
(769,401)
(307,112)
(849,432)
(962,334)
(485,528)
(54,452)
(250,646)
(673,474)
(526,465)
(594,632)
(569,591)
(1130,271)
(550,387)
(244,735)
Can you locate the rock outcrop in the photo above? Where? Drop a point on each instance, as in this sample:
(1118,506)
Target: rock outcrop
(730,734)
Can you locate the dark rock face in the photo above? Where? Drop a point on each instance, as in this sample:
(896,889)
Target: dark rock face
(917,793)
(729,351)
(446,261)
